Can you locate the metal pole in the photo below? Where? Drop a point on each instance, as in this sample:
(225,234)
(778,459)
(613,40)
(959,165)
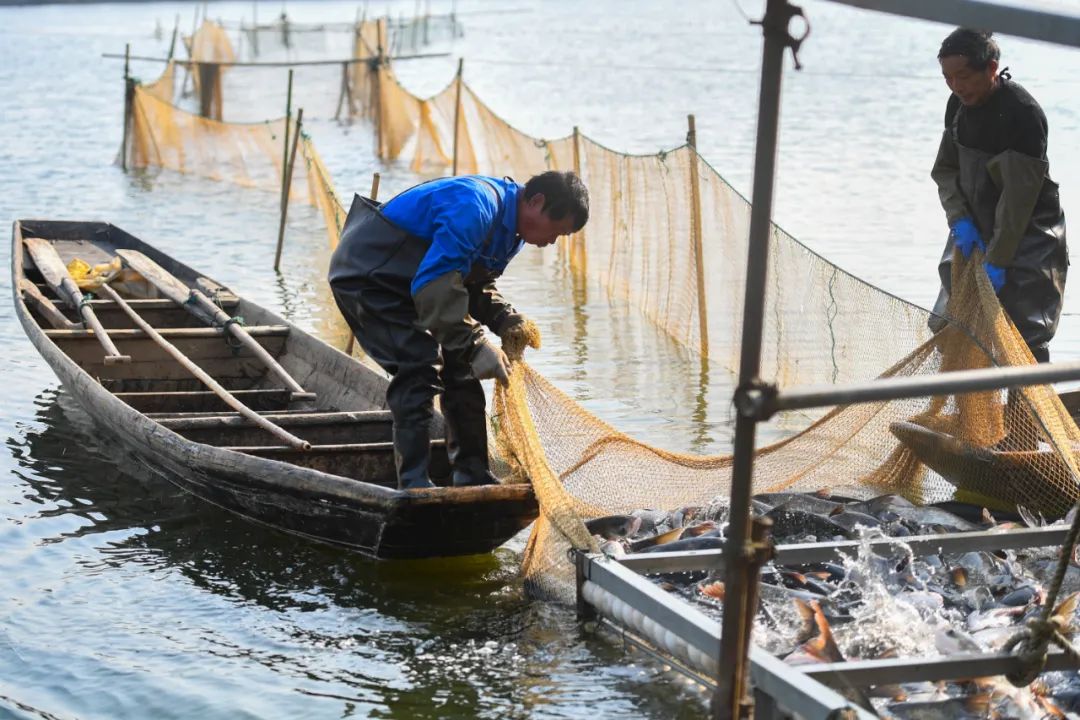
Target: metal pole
(457,115)
(762,404)
(129,93)
(374,196)
(696,233)
(734,643)
(286,186)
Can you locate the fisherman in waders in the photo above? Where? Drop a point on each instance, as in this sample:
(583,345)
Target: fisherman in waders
(994,184)
(415,279)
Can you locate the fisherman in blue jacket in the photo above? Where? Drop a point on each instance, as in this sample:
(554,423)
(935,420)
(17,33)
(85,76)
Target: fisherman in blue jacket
(415,279)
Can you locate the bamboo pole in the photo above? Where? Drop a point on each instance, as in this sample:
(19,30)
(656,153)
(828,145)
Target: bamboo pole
(696,233)
(374,196)
(175,31)
(376,87)
(457,115)
(577,243)
(203,376)
(285,143)
(129,92)
(286,186)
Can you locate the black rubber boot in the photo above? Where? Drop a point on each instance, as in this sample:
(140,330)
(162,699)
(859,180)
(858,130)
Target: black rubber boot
(466,434)
(412,451)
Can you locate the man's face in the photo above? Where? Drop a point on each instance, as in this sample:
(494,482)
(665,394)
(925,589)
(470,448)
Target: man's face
(972,86)
(536,227)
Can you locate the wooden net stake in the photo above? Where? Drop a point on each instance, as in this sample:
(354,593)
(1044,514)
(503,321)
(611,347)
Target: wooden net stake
(286,187)
(129,93)
(376,87)
(457,115)
(577,242)
(172,43)
(374,196)
(696,233)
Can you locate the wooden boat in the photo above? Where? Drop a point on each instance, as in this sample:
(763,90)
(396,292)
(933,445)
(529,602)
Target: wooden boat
(1030,477)
(331,479)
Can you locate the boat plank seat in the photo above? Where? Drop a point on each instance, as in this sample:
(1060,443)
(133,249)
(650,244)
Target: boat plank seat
(329,429)
(369,462)
(157,416)
(213,353)
(155,403)
(308,418)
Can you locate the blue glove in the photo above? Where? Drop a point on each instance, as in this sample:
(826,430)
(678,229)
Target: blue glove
(966,236)
(996,275)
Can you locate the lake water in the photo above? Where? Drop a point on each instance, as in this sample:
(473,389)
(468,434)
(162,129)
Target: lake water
(122,597)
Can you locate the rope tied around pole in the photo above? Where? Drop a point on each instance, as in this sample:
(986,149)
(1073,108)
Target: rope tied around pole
(1033,642)
(84,303)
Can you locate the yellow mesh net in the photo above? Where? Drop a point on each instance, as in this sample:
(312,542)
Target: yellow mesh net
(669,236)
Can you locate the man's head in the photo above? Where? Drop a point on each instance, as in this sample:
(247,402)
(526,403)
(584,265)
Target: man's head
(969,62)
(553,204)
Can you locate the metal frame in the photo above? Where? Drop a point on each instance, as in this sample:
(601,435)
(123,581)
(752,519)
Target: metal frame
(789,689)
(799,689)
(801,553)
(756,400)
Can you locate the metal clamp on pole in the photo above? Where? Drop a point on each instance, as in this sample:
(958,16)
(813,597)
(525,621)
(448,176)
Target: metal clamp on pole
(756,399)
(777,24)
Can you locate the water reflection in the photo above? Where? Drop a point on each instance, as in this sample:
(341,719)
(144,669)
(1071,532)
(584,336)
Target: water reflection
(328,631)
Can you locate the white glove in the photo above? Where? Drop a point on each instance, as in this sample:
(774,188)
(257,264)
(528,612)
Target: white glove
(490,362)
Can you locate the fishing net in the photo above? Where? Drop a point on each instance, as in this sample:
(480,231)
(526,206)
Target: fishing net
(669,236)
(161,135)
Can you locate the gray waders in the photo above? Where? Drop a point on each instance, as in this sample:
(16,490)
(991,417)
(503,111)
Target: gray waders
(371,273)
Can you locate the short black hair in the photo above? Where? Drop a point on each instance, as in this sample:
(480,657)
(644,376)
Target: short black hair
(564,194)
(977,46)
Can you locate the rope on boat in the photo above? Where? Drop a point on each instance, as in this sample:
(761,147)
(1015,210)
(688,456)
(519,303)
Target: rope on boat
(1032,643)
(84,303)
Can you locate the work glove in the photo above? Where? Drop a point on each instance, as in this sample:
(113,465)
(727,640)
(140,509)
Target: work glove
(519,333)
(966,236)
(996,275)
(489,362)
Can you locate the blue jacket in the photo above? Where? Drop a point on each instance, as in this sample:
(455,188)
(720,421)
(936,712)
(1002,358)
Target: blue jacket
(457,216)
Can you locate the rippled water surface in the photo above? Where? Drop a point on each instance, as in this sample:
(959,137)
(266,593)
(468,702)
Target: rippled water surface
(120,596)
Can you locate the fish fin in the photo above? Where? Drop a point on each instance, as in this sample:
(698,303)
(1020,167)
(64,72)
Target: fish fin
(806,613)
(714,590)
(987,518)
(824,645)
(661,539)
(979,703)
(1051,708)
(1066,609)
(1027,516)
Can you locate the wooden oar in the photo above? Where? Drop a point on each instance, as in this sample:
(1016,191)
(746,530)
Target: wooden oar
(202,375)
(54,271)
(45,306)
(202,307)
